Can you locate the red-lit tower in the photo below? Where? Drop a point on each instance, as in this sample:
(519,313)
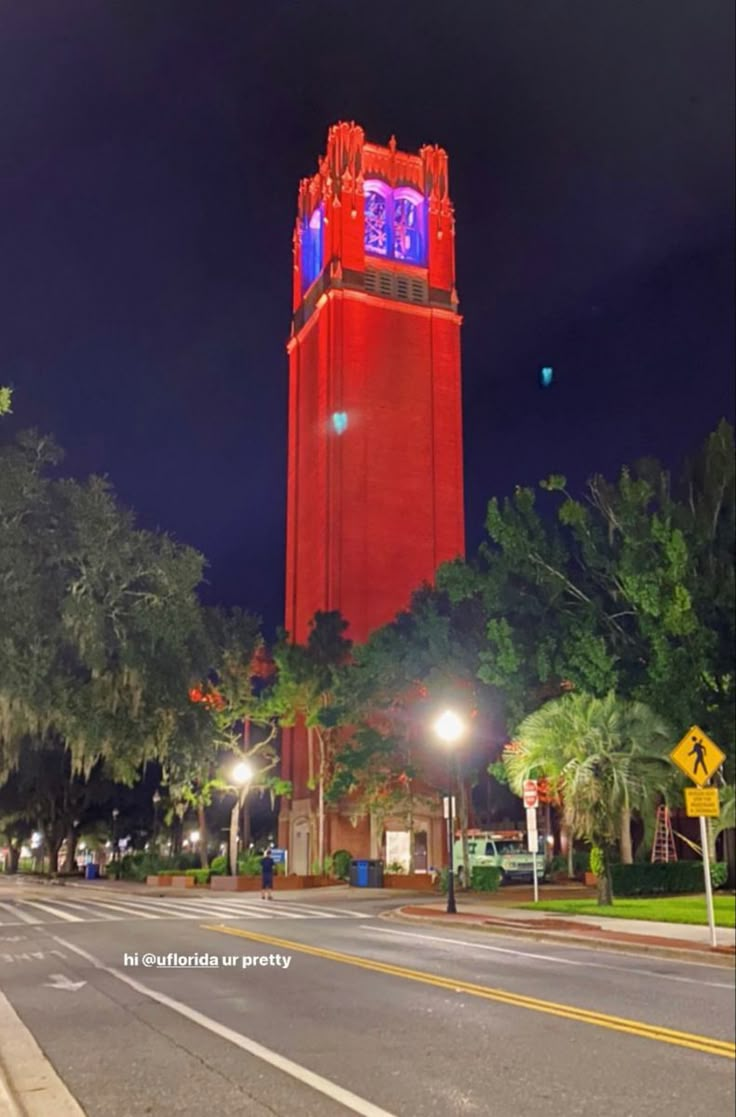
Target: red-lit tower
(375,480)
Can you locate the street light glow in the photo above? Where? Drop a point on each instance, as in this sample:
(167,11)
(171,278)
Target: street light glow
(449,727)
(242,773)
(194,836)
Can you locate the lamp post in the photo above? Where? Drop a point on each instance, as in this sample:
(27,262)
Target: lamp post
(241,775)
(115,851)
(450,728)
(156,799)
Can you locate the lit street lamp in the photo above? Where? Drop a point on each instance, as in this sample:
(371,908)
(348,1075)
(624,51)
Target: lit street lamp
(450,728)
(156,799)
(241,775)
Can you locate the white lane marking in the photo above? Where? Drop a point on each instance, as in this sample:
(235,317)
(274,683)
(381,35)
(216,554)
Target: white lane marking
(23,916)
(11,911)
(199,911)
(127,908)
(556,959)
(271,912)
(67,916)
(322,1085)
(336,911)
(215,907)
(77,905)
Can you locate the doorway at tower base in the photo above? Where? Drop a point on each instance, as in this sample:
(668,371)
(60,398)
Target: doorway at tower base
(363,837)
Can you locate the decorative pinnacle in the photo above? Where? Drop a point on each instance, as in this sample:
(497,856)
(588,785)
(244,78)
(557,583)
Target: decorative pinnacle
(392,144)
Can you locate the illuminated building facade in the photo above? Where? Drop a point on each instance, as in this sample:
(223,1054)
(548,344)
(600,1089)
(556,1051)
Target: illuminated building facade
(375,481)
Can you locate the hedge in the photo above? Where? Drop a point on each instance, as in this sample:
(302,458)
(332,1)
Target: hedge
(485,878)
(664,878)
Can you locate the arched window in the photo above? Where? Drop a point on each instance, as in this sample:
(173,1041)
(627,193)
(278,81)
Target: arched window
(408,226)
(312,247)
(377,218)
(394,223)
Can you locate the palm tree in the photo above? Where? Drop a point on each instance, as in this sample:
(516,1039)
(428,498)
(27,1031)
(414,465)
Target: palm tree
(605,757)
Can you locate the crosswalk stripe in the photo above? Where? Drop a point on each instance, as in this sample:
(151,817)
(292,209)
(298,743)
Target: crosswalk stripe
(126,908)
(202,906)
(23,916)
(53,911)
(198,909)
(77,905)
(97,909)
(11,910)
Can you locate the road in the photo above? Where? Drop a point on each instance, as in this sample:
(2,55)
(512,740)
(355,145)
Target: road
(370,1015)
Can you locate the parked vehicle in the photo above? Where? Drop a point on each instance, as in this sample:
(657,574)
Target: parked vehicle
(506,850)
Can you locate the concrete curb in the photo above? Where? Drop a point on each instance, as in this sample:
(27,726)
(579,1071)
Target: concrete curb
(701,958)
(29,1085)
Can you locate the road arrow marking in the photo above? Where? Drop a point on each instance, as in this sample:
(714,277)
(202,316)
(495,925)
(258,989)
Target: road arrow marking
(60,981)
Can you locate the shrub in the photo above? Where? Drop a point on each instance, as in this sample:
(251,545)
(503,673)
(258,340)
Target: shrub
(250,865)
(395,867)
(597,862)
(218,866)
(664,878)
(341,859)
(485,878)
(580,863)
(201,876)
(718,874)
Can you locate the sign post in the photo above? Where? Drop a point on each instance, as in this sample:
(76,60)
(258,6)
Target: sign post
(531,799)
(700,758)
(708,882)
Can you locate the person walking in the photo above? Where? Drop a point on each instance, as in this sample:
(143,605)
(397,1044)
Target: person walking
(267,864)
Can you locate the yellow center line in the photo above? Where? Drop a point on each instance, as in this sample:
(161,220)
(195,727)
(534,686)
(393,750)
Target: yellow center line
(706,1044)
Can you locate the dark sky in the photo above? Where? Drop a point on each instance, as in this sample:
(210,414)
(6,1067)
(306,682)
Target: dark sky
(150,152)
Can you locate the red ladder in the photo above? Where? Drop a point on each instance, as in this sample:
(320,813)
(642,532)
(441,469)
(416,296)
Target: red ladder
(663,848)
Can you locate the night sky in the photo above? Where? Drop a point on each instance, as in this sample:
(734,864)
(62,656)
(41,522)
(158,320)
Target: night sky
(150,152)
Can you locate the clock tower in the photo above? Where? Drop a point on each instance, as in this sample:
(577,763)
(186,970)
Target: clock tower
(375,475)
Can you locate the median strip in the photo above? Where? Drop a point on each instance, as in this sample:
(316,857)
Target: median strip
(705,1044)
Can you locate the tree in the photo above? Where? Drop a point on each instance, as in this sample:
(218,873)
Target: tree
(302,696)
(102,629)
(628,588)
(6,399)
(604,757)
(395,686)
(44,793)
(239,722)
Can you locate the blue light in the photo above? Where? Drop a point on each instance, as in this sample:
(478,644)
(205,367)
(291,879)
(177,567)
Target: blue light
(339,422)
(395,223)
(545,377)
(312,248)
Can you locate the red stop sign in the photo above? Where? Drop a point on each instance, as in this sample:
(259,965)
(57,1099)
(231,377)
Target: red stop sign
(531,794)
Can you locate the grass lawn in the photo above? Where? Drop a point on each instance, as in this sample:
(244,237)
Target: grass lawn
(665,909)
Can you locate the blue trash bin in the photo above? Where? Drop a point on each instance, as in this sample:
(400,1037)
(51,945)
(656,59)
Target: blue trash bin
(362,874)
(91,872)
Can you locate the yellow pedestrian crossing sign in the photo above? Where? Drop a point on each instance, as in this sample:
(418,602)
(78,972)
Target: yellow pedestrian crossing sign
(697,756)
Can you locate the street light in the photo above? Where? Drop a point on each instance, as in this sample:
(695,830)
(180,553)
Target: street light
(450,728)
(155,799)
(115,849)
(241,775)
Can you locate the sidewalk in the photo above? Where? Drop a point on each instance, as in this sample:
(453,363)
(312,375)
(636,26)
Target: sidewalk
(671,939)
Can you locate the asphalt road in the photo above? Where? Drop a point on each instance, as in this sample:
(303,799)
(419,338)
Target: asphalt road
(405,1021)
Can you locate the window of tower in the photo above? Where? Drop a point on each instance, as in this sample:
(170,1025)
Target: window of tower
(377,218)
(408,226)
(395,223)
(312,247)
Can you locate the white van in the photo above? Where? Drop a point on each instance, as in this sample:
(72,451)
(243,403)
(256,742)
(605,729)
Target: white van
(505,850)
